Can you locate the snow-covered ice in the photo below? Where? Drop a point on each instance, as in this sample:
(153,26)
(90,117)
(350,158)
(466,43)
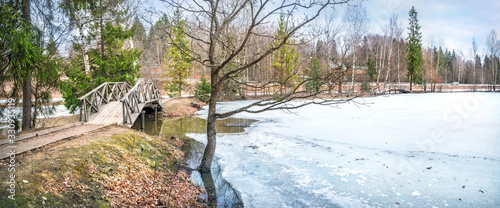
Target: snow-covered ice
(417,150)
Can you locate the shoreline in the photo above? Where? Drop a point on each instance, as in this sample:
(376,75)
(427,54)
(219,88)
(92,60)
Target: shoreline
(114,166)
(102,189)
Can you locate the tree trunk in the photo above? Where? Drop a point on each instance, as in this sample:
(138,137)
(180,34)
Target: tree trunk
(399,60)
(208,154)
(474,73)
(482,75)
(26,118)
(436,72)
(380,66)
(101,25)
(411,81)
(86,62)
(387,76)
(445,75)
(208,183)
(495,72)
(340,83)
(180,87)
(35,112)
(353,67)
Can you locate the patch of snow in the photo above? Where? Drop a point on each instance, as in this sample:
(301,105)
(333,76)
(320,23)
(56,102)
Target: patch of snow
(415,193)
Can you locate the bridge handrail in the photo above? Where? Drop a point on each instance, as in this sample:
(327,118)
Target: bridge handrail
(142,92)
(103,93)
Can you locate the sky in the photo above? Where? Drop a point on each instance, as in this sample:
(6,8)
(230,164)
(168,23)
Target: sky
(454,22)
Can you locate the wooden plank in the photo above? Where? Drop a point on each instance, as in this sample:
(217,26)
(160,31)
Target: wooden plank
(108,110)
(114,113)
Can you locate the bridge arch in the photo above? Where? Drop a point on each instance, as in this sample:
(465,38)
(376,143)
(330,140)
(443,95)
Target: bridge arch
(118,102)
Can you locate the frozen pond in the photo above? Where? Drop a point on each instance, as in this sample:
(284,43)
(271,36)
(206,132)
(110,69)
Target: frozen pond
(418,150)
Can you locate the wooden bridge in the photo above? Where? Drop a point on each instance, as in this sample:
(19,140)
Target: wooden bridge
(119,103)
(397,90)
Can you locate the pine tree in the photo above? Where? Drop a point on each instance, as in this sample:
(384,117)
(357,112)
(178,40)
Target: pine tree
(414,48)
(284,60)
(177,59)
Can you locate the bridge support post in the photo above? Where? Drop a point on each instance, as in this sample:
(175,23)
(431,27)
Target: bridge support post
(143,122)
(156,112)
(81,109)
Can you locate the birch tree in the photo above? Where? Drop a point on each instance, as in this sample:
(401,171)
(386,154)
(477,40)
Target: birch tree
(394,31)
(356,21)
(79,14)
(493,46)
(474,55)
(329,30)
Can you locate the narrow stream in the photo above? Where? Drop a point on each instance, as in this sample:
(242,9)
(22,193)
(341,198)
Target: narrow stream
(218,189)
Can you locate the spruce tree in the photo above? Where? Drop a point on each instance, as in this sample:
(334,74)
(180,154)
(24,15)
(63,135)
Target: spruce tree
(177,60)
(314,82)
(29,66)
(371,69)
(414,48)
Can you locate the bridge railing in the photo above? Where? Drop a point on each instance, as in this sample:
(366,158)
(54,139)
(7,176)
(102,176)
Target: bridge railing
(105,93)
(142,92)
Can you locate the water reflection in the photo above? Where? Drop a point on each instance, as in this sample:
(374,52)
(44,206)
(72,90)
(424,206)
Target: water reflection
(178,127)
(219,191)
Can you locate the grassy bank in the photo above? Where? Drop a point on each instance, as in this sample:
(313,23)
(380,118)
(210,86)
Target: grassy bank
(113,167)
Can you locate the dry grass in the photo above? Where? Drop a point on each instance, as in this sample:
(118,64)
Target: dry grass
(113,167)
(179,107)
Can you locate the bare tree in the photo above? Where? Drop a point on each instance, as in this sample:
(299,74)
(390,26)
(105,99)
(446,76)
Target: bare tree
(342,61)
(224,31)
(439,43)
(327,29)
(494,46)
(356,21)
(474,54)
(394,31)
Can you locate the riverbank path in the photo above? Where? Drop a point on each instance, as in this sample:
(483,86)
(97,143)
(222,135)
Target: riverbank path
(33,140)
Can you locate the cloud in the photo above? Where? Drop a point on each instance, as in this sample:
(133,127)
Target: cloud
(454,21)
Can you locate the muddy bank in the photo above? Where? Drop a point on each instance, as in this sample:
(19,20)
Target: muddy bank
(219,192)
(181,107)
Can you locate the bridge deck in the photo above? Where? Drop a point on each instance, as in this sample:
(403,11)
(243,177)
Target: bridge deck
(111,113)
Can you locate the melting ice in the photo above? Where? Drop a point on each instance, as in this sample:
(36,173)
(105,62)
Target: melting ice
(418,150)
